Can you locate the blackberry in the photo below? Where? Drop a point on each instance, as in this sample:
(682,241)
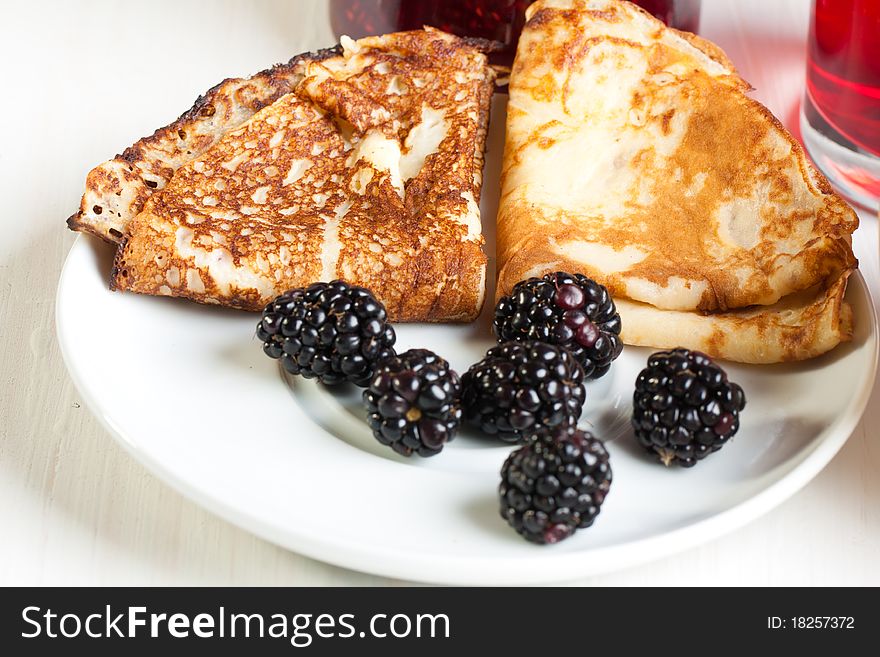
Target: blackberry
(684,408)
(414,402)
(333,332)
(554,485)
(569,310)
(521,386)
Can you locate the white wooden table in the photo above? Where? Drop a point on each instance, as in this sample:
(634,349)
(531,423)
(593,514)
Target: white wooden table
(81,81)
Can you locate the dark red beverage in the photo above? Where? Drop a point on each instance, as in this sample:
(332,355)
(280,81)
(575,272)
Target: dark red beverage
(680,14)
(498,20)
(843,70)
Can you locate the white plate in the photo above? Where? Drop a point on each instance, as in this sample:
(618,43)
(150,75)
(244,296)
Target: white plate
(187,390)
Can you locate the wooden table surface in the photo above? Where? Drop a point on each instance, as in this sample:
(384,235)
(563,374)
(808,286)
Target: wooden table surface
(84,79)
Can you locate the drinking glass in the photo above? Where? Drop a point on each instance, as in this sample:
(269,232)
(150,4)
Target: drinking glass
(840,114)
(498,20)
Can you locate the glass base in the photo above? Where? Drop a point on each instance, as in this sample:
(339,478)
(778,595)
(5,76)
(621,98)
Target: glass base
(854,173)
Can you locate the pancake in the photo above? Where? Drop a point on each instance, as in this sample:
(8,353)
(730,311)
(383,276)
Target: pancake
(369,170)
(802,325)
(635,156)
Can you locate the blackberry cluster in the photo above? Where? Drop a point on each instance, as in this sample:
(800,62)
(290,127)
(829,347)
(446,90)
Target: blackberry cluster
(522,386)
(554,333)
(414,403)
(684,408)
(333,332)
(554,485)
(569,310)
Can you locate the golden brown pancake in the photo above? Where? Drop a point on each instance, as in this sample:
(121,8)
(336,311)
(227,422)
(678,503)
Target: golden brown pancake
(634,156)
(370,170)
(802,325)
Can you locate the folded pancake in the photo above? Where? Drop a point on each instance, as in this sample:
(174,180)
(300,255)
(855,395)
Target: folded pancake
(634,156)
(799,326)
(369,171)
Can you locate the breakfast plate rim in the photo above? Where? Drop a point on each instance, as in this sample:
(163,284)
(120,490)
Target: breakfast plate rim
(541,567)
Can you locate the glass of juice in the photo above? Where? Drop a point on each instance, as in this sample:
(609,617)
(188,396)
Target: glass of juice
(840,114)
(498,20)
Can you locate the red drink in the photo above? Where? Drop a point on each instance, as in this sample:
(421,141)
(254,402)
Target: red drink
(843,68)
(680,14)
(497,20)
(841,112)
